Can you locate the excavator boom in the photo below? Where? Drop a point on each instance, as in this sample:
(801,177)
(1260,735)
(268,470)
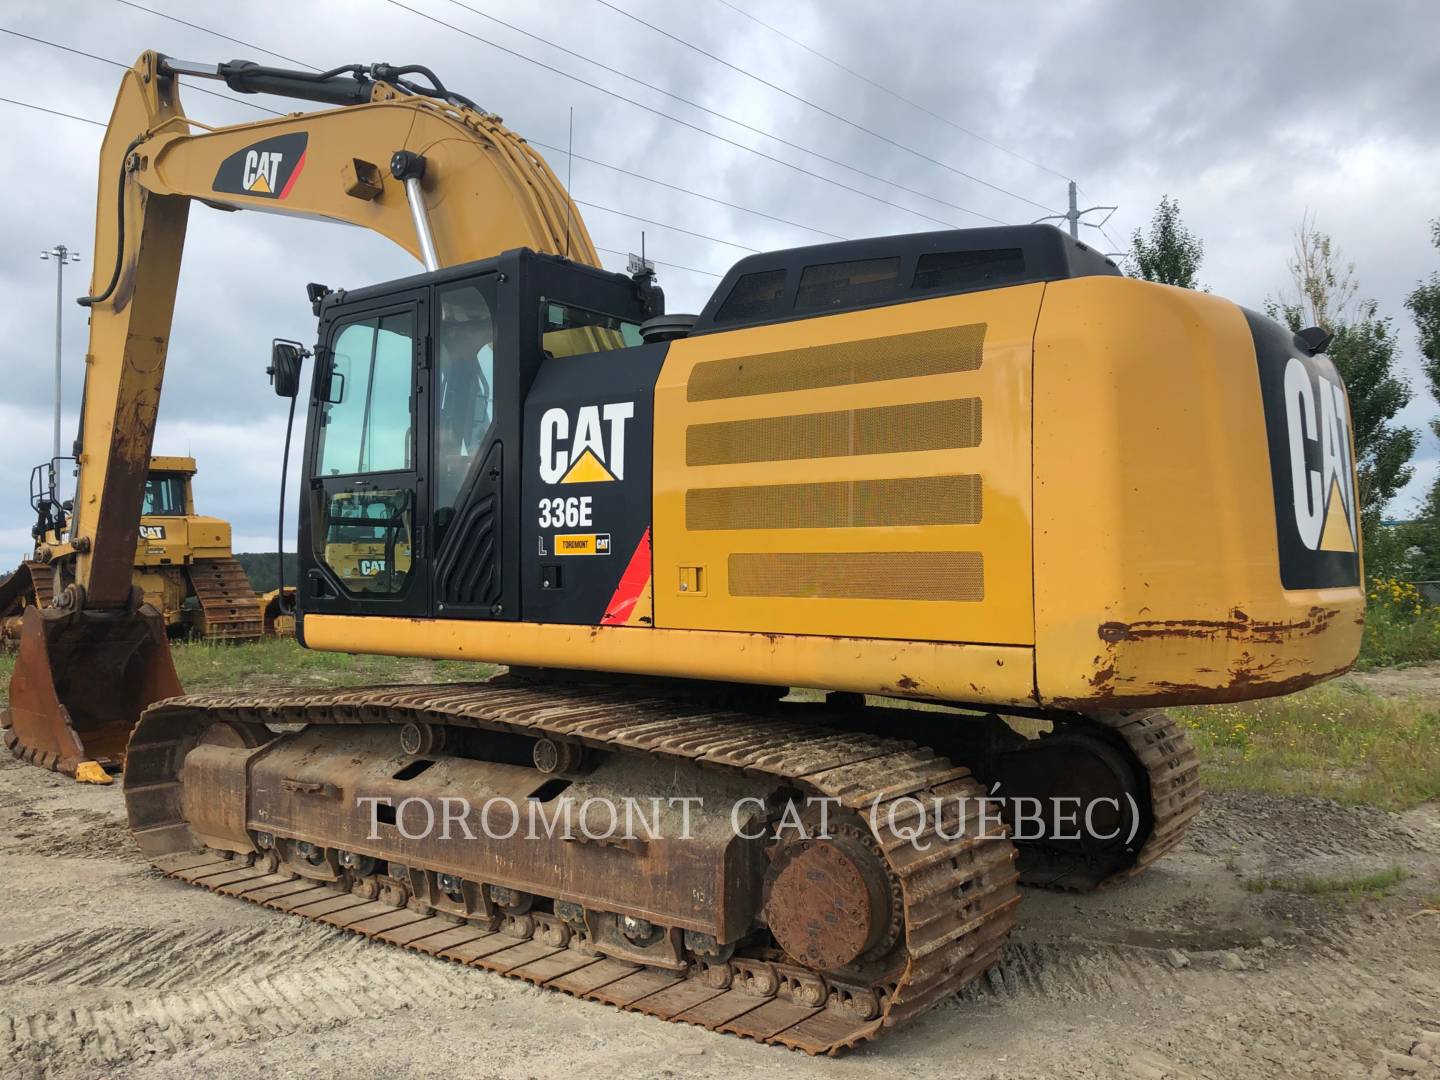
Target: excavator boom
(418,164)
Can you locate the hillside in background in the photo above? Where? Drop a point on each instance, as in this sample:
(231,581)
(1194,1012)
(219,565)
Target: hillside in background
(260,568)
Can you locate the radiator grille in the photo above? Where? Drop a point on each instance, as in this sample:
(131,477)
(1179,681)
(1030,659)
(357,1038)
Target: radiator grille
(866,575)
(920,500)
(903,356)
(889,429)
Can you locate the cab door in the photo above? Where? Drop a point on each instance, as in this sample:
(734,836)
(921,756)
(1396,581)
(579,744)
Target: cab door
(364,529)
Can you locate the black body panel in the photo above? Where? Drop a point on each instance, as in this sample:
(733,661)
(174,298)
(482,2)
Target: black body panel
(1307,427)
(875,272)
(589,434)
(467,564)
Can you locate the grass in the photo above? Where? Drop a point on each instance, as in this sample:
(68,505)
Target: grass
(1394,638)
(1369,887)
(1339,740)
(281,662)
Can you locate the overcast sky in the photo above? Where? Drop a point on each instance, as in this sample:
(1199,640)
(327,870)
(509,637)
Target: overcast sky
(1250,114)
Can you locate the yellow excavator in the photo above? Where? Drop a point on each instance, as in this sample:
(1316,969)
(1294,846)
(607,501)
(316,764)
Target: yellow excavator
(183,563)
(994,504)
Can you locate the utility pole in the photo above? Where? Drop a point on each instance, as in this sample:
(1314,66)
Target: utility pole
(61,254)
(1074,216)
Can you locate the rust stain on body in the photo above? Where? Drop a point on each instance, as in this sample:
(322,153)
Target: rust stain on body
(1239,625)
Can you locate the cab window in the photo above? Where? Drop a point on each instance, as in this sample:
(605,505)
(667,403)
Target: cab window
(164,496)
(366,423)
(571,331)
(464,400)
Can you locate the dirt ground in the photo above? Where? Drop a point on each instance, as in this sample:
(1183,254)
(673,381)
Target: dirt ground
(108,969)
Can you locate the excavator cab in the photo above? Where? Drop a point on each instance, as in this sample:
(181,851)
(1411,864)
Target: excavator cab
(423,388)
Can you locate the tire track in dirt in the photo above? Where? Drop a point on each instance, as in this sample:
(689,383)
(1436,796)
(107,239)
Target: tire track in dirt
(161,957)
(197,990)
(74,834)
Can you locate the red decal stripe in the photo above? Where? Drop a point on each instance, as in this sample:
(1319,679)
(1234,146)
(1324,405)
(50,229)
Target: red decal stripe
(285,191)
(632,584)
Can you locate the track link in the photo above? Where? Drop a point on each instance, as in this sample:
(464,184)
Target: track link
(1172,770)
(956,879)
(231,609)
(1166,771)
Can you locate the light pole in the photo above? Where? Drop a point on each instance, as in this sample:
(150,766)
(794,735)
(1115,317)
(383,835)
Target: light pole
(61,254)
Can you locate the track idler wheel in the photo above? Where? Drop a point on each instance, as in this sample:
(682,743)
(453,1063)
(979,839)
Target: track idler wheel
(81,680)
(1093,811)
(830,901)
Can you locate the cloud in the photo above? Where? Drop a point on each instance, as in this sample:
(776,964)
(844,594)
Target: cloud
(1248,114)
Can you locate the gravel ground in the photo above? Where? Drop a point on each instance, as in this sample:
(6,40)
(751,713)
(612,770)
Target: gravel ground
(108,969)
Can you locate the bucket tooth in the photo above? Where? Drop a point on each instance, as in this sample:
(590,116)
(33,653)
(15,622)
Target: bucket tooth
(81,680)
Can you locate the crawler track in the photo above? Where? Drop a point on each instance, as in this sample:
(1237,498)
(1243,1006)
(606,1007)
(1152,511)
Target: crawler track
(232,611)
(956,879)
(1172,769)
(33,583)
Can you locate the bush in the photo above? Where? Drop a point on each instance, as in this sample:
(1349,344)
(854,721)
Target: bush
(1400,627)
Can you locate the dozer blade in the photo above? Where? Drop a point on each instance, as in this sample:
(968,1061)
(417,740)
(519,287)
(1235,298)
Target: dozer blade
(81,680)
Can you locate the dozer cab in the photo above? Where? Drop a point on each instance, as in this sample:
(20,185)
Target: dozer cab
(974,469)
(183,562)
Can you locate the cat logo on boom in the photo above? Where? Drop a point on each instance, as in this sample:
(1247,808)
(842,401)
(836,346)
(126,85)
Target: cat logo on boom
(591,450)
(267,169)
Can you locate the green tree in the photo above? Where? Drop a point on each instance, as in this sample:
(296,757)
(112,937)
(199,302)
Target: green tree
(1424,304)
(1171,254)
(1365,351)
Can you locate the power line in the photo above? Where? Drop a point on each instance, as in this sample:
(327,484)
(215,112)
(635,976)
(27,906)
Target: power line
(893,93)
(616,168)
(663,225)
(688,191)
(1103,231)
(117,63)
(100,124)
(696,127)
(659,262)
(705,109)
(52,112)
(597,206)
(821,108)
(207,30)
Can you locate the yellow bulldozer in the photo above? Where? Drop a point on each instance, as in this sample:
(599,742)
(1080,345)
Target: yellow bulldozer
(975,470)
(183,563)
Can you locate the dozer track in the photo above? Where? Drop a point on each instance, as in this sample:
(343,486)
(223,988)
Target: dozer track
(229,605)
(899,910)
(32,584)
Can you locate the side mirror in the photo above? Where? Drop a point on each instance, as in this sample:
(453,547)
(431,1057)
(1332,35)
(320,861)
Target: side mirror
(286,358)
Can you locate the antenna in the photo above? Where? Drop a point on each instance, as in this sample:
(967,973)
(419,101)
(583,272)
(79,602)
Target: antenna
(569,172)
(639,266)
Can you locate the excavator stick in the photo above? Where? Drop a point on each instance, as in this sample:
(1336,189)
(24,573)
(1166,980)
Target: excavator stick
(81,681)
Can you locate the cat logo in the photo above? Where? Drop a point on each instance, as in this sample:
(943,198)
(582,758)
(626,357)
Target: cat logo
(1312,465)
(267,169)
(1316,413)
(261,167)
(592,452)
(152,532)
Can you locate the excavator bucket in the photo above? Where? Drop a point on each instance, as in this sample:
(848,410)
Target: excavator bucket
(81,680)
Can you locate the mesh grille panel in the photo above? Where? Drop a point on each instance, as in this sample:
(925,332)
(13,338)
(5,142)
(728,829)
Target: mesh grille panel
(865,575)
(920,500)
(903,356)
(891,429)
